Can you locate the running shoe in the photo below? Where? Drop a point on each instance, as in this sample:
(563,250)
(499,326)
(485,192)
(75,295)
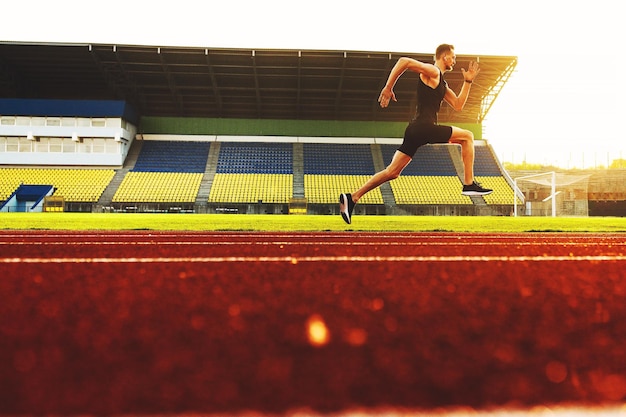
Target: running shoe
(475,189)
(346,205)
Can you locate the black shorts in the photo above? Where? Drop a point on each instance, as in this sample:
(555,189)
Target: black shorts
(419,134)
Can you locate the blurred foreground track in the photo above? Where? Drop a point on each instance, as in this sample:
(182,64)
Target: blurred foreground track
(227,322)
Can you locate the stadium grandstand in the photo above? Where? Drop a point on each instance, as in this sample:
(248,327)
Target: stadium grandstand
(129,128)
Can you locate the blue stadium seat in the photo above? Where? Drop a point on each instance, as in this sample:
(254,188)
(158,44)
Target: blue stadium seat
(255,158)
(428,161)
(485,163)
(172,156)
(338,159)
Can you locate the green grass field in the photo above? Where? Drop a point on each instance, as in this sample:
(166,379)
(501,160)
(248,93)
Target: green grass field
(251,222)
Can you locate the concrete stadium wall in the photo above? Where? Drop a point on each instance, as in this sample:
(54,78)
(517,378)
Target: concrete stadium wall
(65,132)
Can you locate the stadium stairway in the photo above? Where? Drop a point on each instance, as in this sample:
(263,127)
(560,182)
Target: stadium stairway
(207,179)
(298,170)
(107,196)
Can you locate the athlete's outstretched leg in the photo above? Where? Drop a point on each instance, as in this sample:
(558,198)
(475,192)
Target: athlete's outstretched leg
(347,201)
(398,163)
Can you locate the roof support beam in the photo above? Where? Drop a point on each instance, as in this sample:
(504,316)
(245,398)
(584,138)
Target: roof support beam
(128,80)
(491,96)
(381,85)
(299,87)
(171,84)
(340,86)
(216,90)
(113,87)
(256,85)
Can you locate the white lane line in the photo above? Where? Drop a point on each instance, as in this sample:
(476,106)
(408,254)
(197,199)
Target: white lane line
(537,411)
(296,259)
(329,235)
(302,243)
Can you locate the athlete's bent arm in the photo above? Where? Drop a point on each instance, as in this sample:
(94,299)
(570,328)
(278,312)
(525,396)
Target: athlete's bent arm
(401,66)
(458,101)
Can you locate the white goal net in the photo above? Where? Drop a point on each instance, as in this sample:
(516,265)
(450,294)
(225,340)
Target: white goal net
(552,194)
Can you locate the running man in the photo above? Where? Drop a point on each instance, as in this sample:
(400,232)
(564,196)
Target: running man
(432,89)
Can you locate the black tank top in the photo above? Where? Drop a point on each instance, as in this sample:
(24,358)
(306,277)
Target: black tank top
(429,100)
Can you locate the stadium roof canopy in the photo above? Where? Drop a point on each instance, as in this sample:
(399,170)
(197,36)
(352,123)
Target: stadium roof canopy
(236,83)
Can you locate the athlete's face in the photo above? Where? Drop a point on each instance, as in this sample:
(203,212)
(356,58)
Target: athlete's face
(449,60)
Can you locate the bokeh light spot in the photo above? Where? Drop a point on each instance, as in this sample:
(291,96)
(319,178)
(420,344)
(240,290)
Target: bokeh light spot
(317,332)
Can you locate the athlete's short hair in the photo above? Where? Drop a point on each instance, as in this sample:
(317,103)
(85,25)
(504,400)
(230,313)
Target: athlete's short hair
(442,49)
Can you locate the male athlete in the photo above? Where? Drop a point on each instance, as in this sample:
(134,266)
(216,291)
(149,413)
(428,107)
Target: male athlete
(432,89)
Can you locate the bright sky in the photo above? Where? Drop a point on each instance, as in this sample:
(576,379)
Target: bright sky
(562,106)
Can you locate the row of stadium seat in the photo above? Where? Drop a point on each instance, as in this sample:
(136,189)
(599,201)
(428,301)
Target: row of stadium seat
(251,188)
(502,191)
(156,187)
(446,190)
(428,190)
(75,185)
(338,159)
(255,158)
(325,189)
(171,156)
(428,160)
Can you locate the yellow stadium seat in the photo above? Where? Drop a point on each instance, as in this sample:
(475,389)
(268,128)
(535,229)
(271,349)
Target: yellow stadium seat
(502,191)
(325,189)
(251,188)
(428,190)
(75,185)
(158,187)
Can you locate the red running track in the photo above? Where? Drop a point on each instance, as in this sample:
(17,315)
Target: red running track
(150,322)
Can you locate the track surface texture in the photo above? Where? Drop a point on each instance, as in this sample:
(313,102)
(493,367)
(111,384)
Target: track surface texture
(169,322)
